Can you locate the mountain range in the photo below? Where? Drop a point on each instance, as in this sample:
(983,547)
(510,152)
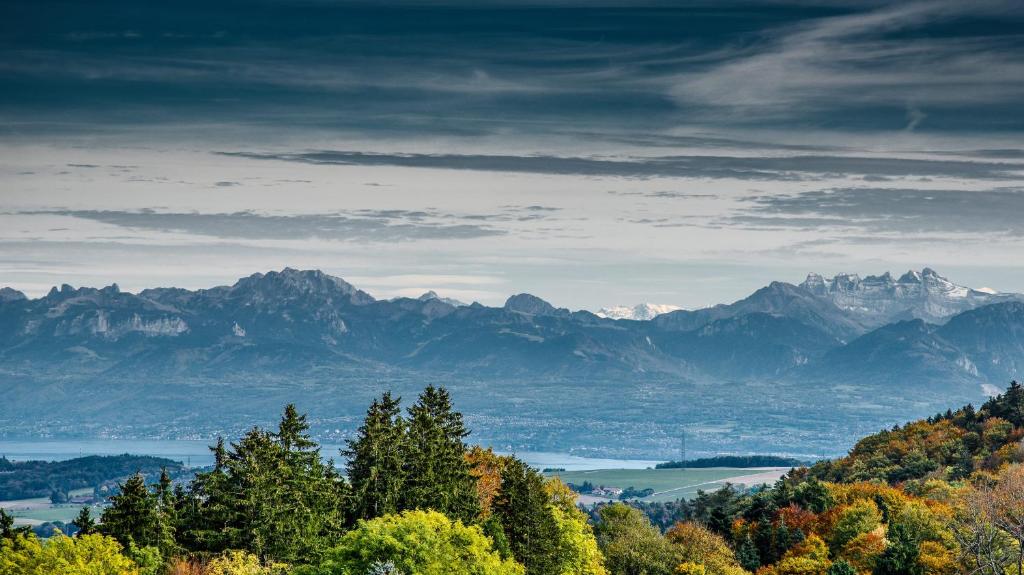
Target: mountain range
(844,350)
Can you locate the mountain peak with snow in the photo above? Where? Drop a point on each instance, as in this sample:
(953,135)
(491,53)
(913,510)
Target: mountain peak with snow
(432,295)
(877,300)
(638,312)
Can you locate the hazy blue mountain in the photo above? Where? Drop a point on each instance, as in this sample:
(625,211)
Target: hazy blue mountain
(982,346)
(8,294)
(991,339)
(170,360)
(778,298)
(532,305)
(750,345)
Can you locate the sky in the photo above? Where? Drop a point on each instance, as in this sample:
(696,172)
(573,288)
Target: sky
(591,153)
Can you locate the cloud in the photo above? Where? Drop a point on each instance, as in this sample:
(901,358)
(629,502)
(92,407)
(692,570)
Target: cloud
(900,55)
(360,226)
(879,210)
(914,117)
(585,71)
(769,168)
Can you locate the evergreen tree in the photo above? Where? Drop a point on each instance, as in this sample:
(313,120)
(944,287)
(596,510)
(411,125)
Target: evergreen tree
(167,511)
(312,506)
(748,556)
(1009,405)
(438,476)
(269,494)
(6,525)
(292,434)
(133,517)
(84,522)
(376,467)
(522,508)
(901,554)
(841,567)
(253,473)
(206,511)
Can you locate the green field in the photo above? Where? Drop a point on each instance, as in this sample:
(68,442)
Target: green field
(63,513)
(669,484)
(40,510)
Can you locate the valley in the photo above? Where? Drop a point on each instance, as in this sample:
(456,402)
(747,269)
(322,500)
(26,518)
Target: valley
(792,369)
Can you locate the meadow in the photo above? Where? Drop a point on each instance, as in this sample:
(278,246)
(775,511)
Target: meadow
(39,509)
(670,484)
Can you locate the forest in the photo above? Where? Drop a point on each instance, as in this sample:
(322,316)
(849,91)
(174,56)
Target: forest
(25,479)
(934,497)
(732,461)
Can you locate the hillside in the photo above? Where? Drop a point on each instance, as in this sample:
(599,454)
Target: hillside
(949,445)
(28,479)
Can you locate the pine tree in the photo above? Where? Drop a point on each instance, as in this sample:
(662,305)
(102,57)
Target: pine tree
(84,522)
(901,554)
(133,518)
(6,525)
(376,466)
(254,470)
(167,511)
(841,567)
(438,475)
(291,432)
(311,510)
(748,556)
(206,511)
(525,515)
(269,494)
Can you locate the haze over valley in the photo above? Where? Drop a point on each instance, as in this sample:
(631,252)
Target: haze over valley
(789,369)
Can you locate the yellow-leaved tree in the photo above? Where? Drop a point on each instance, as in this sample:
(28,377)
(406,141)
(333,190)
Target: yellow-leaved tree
(579,553)
(414,542)
(86,555)
(698,546)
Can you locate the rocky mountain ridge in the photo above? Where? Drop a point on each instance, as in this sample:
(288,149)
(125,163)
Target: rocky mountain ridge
(251,342)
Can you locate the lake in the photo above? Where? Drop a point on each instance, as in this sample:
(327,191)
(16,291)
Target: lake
(196,453)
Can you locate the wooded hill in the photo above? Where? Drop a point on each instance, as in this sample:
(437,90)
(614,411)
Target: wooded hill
(27,479)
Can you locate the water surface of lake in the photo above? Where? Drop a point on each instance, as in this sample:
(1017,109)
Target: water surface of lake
(196,453)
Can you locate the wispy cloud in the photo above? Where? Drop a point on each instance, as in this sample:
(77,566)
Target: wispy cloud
(365,226)
(896,211)
(905,55)
(770,168)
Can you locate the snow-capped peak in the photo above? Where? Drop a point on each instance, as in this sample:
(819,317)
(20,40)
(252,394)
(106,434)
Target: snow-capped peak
(640,312)
(432,295)
(881,299)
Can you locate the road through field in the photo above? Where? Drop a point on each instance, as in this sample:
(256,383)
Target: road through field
(766,476)
(669,484)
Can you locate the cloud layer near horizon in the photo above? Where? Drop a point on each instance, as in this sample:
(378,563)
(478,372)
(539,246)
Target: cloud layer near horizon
(592,153)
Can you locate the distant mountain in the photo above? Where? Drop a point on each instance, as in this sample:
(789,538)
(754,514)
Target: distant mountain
(877,300)
(639,312)
(977,346)
(8,294)
(532,305)
(432,295)
(107,359)
(778,299)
